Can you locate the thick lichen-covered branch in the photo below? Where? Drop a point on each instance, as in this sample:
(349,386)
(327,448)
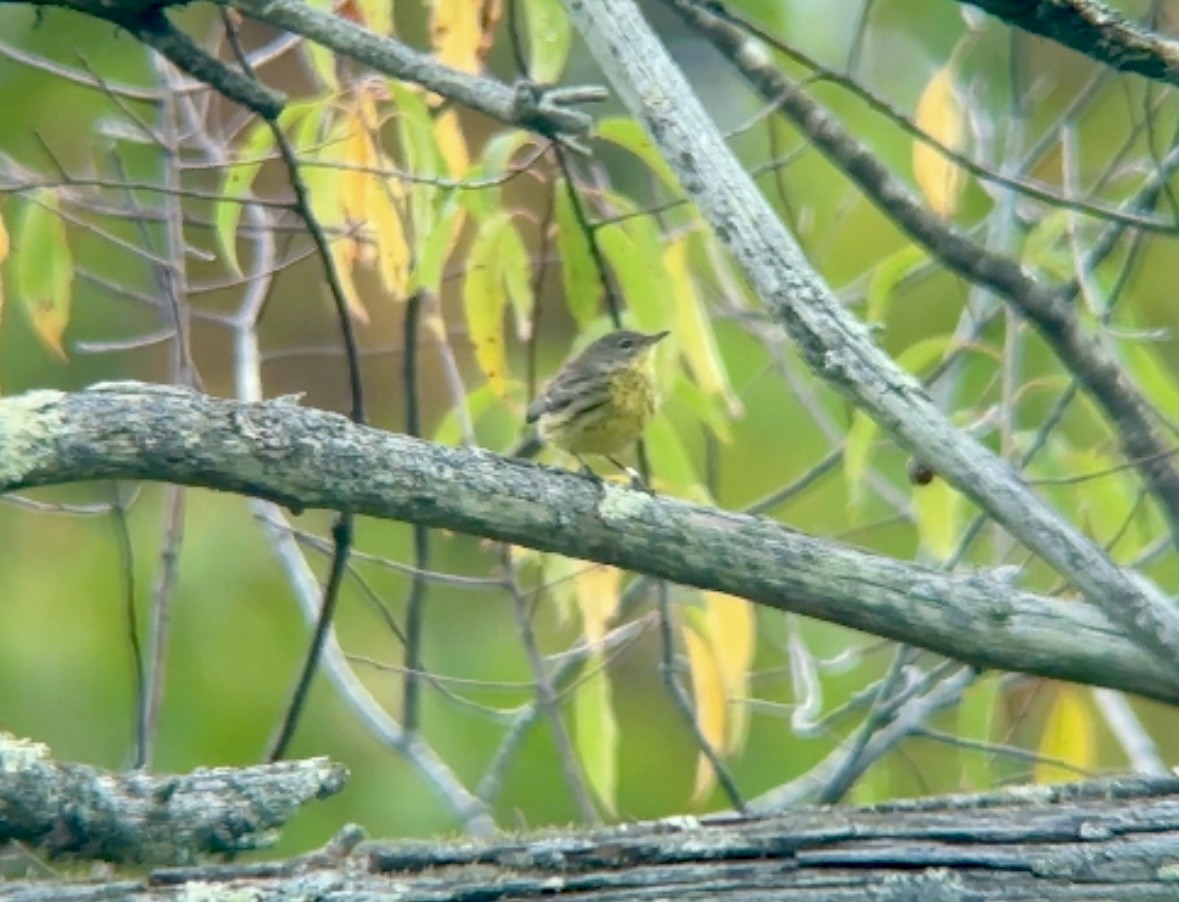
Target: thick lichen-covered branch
(72,809)
(305,458)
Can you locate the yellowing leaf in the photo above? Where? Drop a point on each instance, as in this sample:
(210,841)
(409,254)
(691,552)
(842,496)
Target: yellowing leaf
(1068,736)
(937,507)
(708,692)
(549,34)
(45,269)
(940,115)
(461,31)
(393,254)
(693,329)
(596,731)
(484,302)
(345,253)
(453,143)
(732,633)
(360,153)
(597,598)
(376,15)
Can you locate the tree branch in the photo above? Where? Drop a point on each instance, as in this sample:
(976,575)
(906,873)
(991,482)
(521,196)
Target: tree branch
(834,344)
(306,458)
(1095,30)
(73,809)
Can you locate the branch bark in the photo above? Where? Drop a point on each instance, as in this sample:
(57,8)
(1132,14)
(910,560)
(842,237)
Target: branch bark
(305,458)
(139,818)
(1095,30)
(1111,839)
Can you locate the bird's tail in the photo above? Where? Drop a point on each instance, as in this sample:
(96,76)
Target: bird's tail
(528,446)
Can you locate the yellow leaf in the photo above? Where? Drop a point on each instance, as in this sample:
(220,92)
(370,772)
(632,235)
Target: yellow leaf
(596,731)
(940,115)
(359,154)
(693,330)
(597,598)
(393,253)
(344,255)
(376,15)
(708,691)
(484,301)
(1068,736)
(461,31)
(732,633)
(45,270)
(452,143)
(937,506)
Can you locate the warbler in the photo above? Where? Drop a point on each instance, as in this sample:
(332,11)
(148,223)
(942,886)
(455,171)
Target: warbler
(601,400)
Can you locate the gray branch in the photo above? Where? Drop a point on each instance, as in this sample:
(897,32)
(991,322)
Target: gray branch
(834,344)
(73,809)
(1095,30)
(305,458)
(1112,839)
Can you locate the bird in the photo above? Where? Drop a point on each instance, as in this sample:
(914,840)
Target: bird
(601,400)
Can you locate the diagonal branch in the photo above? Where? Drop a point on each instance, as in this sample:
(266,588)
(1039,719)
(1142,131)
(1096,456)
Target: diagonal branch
(834,344)
(305,458)
(1095,30)
(1047,307)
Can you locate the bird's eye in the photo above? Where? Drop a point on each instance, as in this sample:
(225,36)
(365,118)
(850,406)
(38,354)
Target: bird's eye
(626,343)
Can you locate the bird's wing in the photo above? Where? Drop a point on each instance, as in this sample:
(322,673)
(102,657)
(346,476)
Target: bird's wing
(565,388)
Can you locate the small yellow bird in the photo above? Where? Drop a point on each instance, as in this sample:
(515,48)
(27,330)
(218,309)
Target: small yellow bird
(601,400)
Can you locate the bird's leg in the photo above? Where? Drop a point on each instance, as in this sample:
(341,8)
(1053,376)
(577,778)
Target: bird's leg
(636,480)
(586,470)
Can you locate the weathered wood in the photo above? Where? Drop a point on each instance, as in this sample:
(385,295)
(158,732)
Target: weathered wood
(307,458)
(1113,839)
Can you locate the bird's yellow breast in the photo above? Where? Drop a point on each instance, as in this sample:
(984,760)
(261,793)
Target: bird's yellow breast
(615,424)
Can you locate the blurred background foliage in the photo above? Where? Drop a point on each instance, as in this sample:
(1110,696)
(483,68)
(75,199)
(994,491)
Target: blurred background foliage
(66,675)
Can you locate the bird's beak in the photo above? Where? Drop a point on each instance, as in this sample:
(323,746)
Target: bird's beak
(656,337)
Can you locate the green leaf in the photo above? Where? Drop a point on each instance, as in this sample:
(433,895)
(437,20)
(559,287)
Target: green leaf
(856,450)
(421,156)
(596,731)
(671,465)
(887,276)
(937,508)
(634,250)
(239,177)
(923,354)
(629,135)
(515,272)
(1046,248)
(436,248)
(44,269)
(579,275)
(549,35)
(709,409)
(492,165)
(976,714)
